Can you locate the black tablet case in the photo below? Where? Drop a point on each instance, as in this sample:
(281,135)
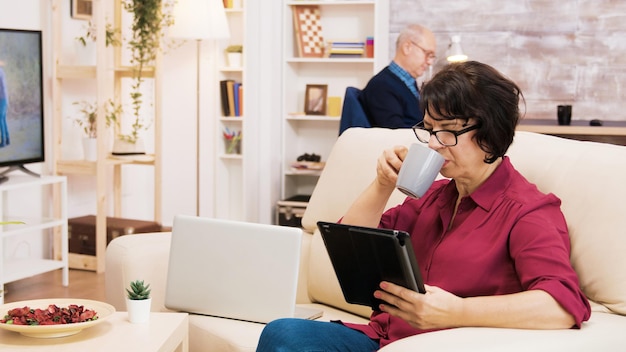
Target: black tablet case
(363,257)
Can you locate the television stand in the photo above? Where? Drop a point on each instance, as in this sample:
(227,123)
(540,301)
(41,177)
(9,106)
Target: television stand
(18,167)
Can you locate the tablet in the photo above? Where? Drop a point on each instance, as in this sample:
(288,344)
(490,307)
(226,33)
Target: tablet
(363,257)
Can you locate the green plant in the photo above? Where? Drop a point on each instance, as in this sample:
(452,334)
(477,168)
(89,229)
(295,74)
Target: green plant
(138,290)
(88,119)
(112,35)
(150,17)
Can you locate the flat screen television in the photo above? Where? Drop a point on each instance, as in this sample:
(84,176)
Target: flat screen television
(21,100)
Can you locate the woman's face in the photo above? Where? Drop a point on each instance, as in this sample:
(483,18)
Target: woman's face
(465,160)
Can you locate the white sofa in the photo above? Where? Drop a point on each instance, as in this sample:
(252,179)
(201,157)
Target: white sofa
(590,179)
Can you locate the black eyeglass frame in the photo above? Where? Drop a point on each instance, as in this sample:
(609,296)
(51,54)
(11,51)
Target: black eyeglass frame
(420,126)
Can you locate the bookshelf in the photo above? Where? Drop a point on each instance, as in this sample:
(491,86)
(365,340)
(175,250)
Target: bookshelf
(230,165)
(344,21)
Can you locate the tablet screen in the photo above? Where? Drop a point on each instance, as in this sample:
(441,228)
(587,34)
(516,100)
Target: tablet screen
(363,257)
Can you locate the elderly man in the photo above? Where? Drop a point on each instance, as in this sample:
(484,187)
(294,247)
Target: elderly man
(391,97)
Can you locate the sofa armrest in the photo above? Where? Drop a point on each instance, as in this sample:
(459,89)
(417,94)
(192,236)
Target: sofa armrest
(302,296)
(137,257)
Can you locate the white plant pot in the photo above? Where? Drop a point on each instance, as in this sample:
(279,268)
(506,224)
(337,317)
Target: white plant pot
(234,59)
(90,149)
(138,310)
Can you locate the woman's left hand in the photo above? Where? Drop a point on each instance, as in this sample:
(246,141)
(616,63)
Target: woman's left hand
(436,309)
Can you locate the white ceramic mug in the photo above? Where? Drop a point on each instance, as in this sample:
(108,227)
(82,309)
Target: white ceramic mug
(419,170)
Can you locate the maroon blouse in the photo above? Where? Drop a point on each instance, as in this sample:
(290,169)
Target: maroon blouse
(507,237)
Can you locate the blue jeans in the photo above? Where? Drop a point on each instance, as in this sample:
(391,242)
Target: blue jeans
(289,335)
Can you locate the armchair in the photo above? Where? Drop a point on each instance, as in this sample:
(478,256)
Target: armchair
(352,113)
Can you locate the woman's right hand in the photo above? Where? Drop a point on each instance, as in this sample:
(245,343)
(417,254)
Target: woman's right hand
(368,208)
(389,164)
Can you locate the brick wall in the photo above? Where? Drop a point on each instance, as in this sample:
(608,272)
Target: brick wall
(558,52)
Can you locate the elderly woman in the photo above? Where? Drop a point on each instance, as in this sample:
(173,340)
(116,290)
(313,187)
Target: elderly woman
(494,251)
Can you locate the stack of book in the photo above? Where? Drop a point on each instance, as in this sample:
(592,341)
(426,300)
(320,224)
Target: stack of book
(349,49)
(231,93)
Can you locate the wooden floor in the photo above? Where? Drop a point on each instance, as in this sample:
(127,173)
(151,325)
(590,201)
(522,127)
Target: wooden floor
(83,284)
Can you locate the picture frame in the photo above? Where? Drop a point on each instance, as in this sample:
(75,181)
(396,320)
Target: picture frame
(81,9)
(315,99)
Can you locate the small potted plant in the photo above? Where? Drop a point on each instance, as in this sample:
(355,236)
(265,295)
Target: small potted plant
(88,122)
(138,301)
(234,54)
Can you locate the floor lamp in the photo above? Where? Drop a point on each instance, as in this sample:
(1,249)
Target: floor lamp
(199,19)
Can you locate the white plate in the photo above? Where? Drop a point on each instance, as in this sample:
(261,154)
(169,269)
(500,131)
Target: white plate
(103,311)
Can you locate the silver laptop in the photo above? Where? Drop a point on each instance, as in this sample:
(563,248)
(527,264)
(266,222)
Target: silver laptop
(234,269)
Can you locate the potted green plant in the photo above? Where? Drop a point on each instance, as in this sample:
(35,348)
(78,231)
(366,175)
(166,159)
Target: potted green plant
(149,18)
(234,55)
(87,120)
(138,301)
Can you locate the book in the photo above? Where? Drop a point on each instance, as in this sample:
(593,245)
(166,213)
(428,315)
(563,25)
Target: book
(236,93)
(224,97)
(240,99)
(231,97)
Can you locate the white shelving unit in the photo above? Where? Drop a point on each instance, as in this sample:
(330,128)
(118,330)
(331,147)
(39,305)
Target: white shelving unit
(230,168)
(52,221)
(341,21)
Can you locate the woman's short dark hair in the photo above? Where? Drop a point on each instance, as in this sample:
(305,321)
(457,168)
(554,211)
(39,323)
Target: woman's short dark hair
(476,90)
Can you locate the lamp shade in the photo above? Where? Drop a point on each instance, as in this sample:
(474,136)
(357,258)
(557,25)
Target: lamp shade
(455,52)
(199,19)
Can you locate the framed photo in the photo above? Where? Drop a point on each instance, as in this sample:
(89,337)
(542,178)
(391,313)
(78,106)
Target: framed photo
(315,99)
(81,9)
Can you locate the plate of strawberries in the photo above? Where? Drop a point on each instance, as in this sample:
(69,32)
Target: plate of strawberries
(50,318)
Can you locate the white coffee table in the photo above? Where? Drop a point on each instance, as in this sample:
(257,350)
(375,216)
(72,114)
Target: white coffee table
(165,332)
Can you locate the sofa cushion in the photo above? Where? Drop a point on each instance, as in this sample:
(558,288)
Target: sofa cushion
(603,332)
(355,153)
(218,334)
(589,178)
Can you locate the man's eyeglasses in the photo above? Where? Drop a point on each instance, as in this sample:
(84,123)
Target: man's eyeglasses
(444,137)
(430,56)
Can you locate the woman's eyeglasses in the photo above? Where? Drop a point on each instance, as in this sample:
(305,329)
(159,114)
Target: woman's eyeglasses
(444,137)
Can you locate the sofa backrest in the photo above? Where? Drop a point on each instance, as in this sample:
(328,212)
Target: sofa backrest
(350,167)
(590,179)
(586,176)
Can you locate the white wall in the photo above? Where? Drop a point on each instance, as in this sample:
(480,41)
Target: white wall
(179,172)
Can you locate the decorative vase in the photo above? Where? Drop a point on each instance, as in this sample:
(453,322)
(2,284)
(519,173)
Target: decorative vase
(234,59)
(90,149)
(138,310)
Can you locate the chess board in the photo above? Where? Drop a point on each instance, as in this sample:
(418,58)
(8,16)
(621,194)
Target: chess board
(308,30)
